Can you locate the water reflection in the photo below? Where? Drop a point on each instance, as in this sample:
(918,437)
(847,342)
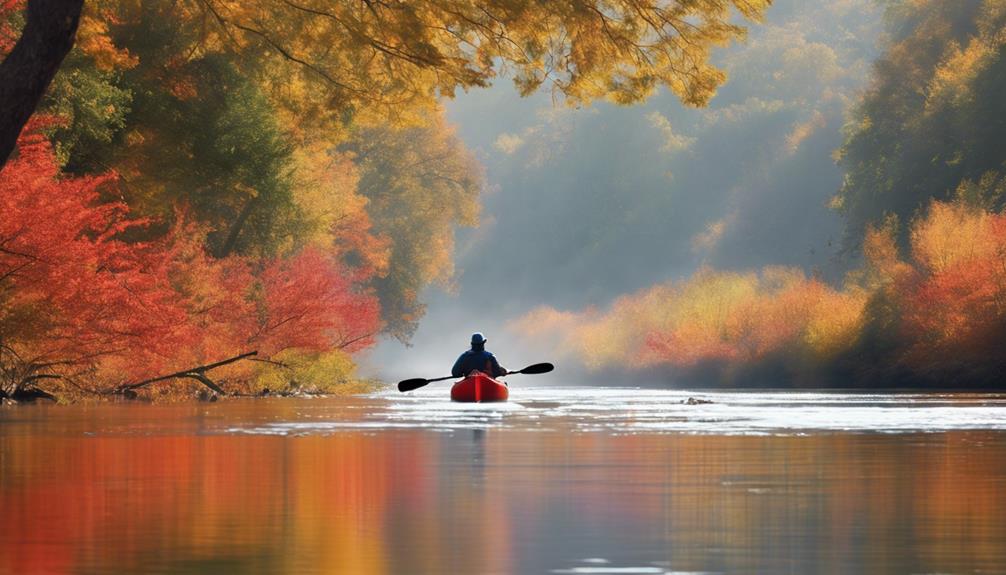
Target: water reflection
(159,489)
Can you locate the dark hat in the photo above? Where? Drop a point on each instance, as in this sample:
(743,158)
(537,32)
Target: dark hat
(478,338)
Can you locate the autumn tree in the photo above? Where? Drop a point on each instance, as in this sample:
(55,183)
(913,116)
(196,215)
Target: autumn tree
(80,304)
(929,315)
(71,292)
(391,58)
(931,117)
(196,132)
(420,183)
(181,131)
(955,311)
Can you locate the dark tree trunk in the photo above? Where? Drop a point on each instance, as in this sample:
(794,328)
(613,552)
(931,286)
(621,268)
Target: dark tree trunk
(235,231)
(26,72)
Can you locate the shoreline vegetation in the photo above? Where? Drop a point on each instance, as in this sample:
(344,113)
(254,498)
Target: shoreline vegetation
(183,181)
(209,387)
(193,185)
(930,316)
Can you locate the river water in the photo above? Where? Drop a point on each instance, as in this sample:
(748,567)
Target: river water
(559,480)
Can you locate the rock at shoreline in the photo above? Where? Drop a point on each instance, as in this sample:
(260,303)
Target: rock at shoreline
(207,396)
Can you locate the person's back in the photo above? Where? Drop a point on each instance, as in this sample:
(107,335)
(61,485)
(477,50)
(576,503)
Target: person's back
(477,358)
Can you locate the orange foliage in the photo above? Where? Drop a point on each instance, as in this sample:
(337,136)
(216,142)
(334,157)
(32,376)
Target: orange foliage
(884,266)
(310,302)
(93,40)
(954,234)
(753,318)
(957,312)
(943,312)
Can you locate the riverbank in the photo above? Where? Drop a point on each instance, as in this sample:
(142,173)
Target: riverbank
(189,393)
(247,374)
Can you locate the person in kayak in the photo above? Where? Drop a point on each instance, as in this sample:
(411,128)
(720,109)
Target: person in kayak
(477,358)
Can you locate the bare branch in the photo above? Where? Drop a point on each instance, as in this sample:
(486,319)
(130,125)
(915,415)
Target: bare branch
(198,373)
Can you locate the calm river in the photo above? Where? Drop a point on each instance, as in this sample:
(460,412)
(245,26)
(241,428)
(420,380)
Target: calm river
(560,480)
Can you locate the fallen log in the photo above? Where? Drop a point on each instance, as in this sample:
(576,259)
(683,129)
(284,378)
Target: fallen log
(197,373)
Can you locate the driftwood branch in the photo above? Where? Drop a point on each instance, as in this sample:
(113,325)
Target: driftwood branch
(197,373)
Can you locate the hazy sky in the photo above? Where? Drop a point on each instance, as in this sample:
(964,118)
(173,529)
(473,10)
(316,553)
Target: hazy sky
(584,205)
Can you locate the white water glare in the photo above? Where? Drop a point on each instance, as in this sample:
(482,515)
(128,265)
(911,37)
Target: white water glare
(648,411)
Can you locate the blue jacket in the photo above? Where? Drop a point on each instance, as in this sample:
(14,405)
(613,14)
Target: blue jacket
(479,359)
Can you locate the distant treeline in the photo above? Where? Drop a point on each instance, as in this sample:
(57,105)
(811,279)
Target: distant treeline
(934,316)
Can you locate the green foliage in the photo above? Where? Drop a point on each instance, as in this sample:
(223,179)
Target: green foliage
(198,134)
(935,114)
(227,159)
(986,193)
(93,103)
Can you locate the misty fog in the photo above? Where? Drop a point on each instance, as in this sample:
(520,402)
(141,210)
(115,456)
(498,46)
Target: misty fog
(584,205)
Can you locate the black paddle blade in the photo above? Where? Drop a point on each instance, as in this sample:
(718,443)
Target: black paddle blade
(537,368)
(410,384)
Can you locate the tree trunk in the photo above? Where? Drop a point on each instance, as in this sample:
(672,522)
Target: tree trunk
(29,68)
(235,231)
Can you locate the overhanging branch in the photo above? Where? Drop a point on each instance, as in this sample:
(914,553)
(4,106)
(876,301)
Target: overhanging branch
(197,373)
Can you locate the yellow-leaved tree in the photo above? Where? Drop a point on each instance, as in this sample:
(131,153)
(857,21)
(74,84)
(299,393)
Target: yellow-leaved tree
(393,57)
(420,182)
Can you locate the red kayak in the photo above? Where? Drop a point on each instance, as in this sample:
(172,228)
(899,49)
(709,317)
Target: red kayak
(479,387)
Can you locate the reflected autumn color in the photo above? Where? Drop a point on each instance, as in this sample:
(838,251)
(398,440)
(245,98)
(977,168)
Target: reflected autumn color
(100,490)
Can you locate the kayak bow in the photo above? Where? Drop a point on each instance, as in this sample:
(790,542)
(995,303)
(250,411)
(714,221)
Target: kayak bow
(479,388)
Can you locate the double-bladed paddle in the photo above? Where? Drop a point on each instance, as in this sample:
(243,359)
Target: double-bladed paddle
(416,383)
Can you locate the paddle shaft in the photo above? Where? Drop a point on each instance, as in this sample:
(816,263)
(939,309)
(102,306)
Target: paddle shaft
(416,383)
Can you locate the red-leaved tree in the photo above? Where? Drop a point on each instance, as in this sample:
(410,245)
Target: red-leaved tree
(72,293)
(310,301)
(79,303)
